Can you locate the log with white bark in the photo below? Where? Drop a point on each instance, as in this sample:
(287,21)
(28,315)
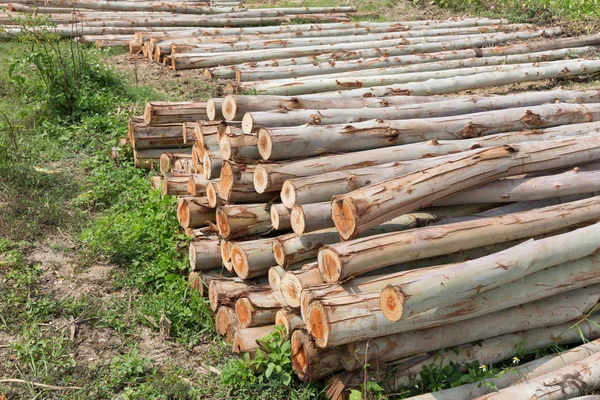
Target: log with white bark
(197,185)
(522,373)
(235,221)
(553,310)
(394,47)
(236,185)
(143,136)
(410,296)
(235,107)
(368,207)
(245,340)
(495,350)
(310,363)
(579,378)
(204,254)
(280,217)
(439,70)
(294,282)
(281,143)
(225,292)
(341,309)
(212,195)
(239,148)
(311,217)
(213,109)
(226,323)
(257,309)
(281,118)
(189,132)
(194,212)
(341,260)
(476,81)
(158,112)
(207,134)
(290,321)
(252,258)
(324,185)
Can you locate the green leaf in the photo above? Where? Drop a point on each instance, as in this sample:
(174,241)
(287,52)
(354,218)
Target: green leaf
(355,395)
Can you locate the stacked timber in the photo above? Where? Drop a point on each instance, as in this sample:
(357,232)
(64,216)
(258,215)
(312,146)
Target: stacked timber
(420,233)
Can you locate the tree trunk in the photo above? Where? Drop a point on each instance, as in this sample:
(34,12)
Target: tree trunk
(242,148)
(280,217)
(207,134)
(290,321)
(554,310)
(309,141)
(236,184)
(294,282)
(311,217)
(197,185)
(342,260)
(352,214)
(341,309)
(194,212)
(284,118)
(244,340)
(257,309)
(235,221)
(252,258)
(157,112)
(292,248)
(226,323)
(225,292)
(163,136)
(204,254)
(310,363)
(323,186)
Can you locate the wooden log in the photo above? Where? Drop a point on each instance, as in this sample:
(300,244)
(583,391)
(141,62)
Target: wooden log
(235,107)
(212,195)
(341,260)
(549,311)
(495,350)
(239,148)
(522,373)
(235,221)
(197,159)
(290,321)
(159,112)
(236,184)
(275,275)
(252,258)
(143,136)
(280,217)
(225,292)
(212,163)
(167,160)
(226,255)
(257,309)
(245,340)
(324,185)
(352,215)
(311,217)
(189,132)
(310,141)
(226,323)
(294,282)
(324,315)
(213,109)
(310,363)
(578,378)
(283,118)
(175,184)
(197,185)
(204,254)
(194,212)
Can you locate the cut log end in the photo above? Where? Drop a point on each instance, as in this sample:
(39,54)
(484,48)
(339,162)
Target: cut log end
(274,217)
(183,215)
(195,282)
(248,123)
(244,312)
(225,251)
(278,252)
(211,109)
(392,303)
(300,355)
(288,194)
(318,325)
(343,214)
(211,195)
(265,143)
(291,289)
(213,296)
(240,262)
(223,223)
(207,166)
(225,147)
(223,320)
(226,181)
(330,266)
(260,179)
(165,163)
(297,219)
(192,255)
(229,108)
(274,275)
(282,321)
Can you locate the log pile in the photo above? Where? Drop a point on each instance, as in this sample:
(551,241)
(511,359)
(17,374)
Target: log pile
(409,239)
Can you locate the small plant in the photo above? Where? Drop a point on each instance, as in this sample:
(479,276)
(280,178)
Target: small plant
(129,368)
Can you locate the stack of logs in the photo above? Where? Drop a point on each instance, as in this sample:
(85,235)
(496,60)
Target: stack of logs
(467,222)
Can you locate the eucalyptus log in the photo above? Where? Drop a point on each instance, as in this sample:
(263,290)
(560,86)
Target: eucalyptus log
(175,184)
(280,217)
(168,159)
(294,282)
(143,136)
(313,140)
(189,132)
(158,112)
(239,148)
(235,221)
(211,164)
(252,258)
(225,292)
(226,323)
(194,212)
(553,310)
(204,254)
(197,185)
(236,184)
(257,309)
(290,321)
(245,340)
(352,258)
(212,195)
(226,255)
(311,217)
(310,363)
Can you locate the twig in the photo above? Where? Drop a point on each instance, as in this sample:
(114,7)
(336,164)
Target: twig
(40,384)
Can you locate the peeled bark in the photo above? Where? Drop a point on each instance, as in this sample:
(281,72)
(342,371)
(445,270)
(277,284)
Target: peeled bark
(280,217)
(335,317)
(252,258)
(236,184)
(311,217)
(204,254)
(245,340)
(307,141)
(342,260)
(554,310)
(235,221)
(197,185)
(310,363)
(290,321)
(257,309)
(323,186)
(175,184)
(194,212)
(157,113)
(226,323)
(368,207)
